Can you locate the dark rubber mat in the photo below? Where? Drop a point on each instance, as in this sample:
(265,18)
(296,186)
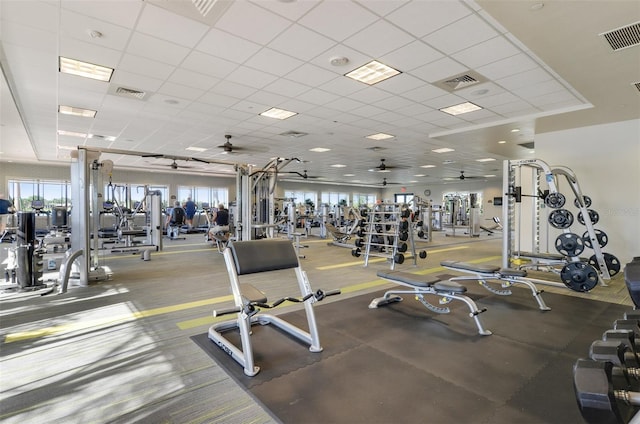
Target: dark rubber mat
(402,363)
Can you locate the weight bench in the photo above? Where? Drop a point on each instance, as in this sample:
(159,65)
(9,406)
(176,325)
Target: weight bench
(420,286)
(507,276)
(254,256)
(545,261)
(339,238)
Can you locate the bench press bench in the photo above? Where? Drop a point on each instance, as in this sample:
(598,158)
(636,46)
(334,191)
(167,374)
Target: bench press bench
(507,276)
(420,285)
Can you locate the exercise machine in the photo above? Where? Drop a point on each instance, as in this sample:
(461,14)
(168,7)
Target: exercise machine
(260,256)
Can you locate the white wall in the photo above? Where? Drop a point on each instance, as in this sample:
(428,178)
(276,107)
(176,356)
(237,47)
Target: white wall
(606,161)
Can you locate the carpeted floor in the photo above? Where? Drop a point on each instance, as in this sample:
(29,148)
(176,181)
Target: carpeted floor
(404,364)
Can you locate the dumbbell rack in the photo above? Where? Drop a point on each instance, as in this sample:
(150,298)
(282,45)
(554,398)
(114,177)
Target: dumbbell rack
(391,223)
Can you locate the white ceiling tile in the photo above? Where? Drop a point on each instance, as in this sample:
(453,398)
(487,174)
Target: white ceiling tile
(311,75)
(136,81)
(124,13)
(266,98)
(253,23)
(460,35)
(251,77)
(382,7)
(378,39)
(351,19)
(516,108)
(535,90)
(509,66)
(476,91)
(440,69)
(499,99)
(79,27)
(295,105)
(287,88)
(345,104)
(273,62)
(292,10)
(497,48)
(211,65)
(343,86)
(400,84)
(444,101)
(394,102)
(411,56)
(227,46)
(355,59)
(14,34)
(88,52)
(168,26)
(414,109)
(524,79)
(368,111)
(423,17)
(217,99)
(232,89)
(144,66)
(389,116)
(300,42)
(370,95)
(317,96)
(180,91)
(163,51)
(193,79)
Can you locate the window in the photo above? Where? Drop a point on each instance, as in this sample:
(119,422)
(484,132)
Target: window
(403,197)
(362,200)
(333,199)
(212,196)
(52,193)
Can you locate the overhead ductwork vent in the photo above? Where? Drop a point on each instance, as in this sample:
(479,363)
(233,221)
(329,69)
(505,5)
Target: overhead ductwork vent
(294,134)
(204,6)
(205,11)
(636,85)
(128,92)
(622,38)
(460,81)
(529,146)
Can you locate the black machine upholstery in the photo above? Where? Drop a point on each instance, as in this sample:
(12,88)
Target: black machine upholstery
(632,280)
(253,256)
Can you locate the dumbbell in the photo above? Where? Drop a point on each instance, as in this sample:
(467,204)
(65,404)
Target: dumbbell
(626,372)
(599,401)
(625,336)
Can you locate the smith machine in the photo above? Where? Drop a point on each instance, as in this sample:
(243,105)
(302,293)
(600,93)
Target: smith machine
(535,220)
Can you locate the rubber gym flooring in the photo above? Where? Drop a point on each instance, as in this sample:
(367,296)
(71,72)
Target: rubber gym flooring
(133,349)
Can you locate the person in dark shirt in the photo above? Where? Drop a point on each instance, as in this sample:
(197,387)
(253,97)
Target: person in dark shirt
(220,220)
(6,208)
(190,209)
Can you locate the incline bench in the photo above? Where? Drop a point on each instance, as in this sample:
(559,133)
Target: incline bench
(249,257)
(420,285)
(508,277)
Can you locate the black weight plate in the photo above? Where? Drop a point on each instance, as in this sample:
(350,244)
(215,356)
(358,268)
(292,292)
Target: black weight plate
(561,218)
(423,254)
(421,234)
(402,247)
(555,200)
(601,237)
(398,258)
(403,236)
(612,263)
(579,276)
(569,244)
(586,199)
(593,216)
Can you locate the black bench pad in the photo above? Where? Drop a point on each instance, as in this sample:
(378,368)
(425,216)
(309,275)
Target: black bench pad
(252,294)
(547,256)
(263,255)
(512,272)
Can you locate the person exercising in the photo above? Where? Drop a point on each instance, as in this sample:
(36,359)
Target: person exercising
(220,220)
(190,210)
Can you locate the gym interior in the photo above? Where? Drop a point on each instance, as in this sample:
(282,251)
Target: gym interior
(473,267)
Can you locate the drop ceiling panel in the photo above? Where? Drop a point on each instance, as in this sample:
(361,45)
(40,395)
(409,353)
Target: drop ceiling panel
(378,39)
(212,66)
(160,23)
(302,43)
(411,17)
(151,47)
(35,15)
(461,34)
(438,70)
(311,75)
(123,13)
(273,62)
(227,46)
(264,26)
(193,79)
(80,27)
(411,56)
(487,52)
(512,65)
(289,10)
(350,19)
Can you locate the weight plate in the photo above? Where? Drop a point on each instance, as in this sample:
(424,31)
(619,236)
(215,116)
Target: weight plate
(569,244)
(398,258)
(601,237)
(422,254)
(402,247)
(421,234)
(403,236)
(593,216)
(579,276)
(611,262)
(561,218)
(586,199)
(555,200)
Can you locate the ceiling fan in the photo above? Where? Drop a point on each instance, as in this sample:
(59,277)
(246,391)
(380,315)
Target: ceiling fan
(229,148)
(385,182)
(461,177)
(383,167)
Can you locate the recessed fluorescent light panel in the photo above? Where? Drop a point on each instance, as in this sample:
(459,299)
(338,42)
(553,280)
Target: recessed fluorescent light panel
(349,175)
(84,69)
(443,150)
(196,149)
(319,149)
(338,165)
(485,160)
(380,136)
(76,111)
(372,73)
(72,133)
(427,166)
(278,113)
(465,107)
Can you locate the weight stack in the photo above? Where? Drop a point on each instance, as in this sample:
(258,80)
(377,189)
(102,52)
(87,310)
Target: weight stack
(29,270)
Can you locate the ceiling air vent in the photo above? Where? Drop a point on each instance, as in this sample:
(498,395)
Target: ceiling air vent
(128,92)
(621,38)
(636,84)
(529,145)
(458,82)
(294,134)
(204,6)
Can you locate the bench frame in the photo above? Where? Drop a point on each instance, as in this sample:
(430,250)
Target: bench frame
(241,258)
(421,286)
(496,274)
